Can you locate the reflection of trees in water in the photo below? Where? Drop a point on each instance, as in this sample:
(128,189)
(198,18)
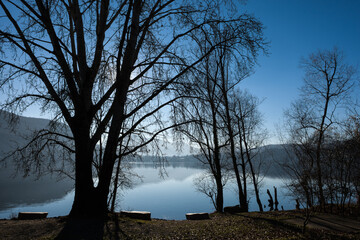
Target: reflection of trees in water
(195,165)
(184,175)
(18,190)
(267,154)
(30,190)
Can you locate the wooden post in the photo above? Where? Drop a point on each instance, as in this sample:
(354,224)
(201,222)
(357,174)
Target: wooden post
(297,204)
(276,199)
(271,201)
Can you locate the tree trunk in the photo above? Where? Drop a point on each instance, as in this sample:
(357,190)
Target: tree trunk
(248,156)
(318,151)
(220,195)
(218,174)
(305,184)
(87,201)
(116,180)
(256,189)
(241,190)
(243,167)
(276,199)
(242,197)
(218,179)
(271,201)
(319,176)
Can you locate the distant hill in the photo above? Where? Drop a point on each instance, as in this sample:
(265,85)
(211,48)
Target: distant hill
(13,187)
(11,135)
(273,156)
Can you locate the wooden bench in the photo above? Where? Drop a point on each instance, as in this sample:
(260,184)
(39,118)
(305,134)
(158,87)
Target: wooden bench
(197,216)
(32,215)
(234,209)
(137,214)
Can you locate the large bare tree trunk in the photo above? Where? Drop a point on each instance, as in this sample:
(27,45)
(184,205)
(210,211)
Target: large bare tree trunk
(86,200)
(220,195)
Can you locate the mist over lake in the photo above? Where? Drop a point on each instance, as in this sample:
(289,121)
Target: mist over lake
(167,197)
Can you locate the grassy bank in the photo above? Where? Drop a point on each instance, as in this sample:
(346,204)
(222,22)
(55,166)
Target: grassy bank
(274,225)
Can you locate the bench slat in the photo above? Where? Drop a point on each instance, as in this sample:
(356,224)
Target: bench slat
(137,214)
(32,215)
(197,216)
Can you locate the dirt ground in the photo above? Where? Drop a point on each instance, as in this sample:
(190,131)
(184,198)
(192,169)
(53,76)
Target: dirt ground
(328,222)
(269,225)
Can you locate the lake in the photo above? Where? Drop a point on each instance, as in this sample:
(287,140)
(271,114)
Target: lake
(170,197)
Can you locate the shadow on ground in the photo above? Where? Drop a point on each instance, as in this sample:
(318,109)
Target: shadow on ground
(320,226)
(89,229)
(329,222)
(82,229)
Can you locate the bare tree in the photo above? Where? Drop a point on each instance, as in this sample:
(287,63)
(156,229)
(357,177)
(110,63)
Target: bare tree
(251,136)
(231,68)
(231,71)
(95,64)
(203,130)
(341,168)
(300,148)
(207,105)
(353,131)
(327,82)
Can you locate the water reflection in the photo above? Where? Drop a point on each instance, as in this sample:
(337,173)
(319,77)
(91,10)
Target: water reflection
(169,197)
(172,197)
(18,192)
(57,207)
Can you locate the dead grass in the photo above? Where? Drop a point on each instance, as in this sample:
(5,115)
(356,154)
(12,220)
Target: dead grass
(220,226)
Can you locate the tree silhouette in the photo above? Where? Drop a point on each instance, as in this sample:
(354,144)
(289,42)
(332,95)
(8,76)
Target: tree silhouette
(105,69)
(206,101)
(328,81)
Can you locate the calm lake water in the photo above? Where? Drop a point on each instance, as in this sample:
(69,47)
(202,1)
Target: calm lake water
(170,197)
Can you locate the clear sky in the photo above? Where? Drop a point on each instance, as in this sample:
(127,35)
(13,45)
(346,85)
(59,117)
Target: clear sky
(295,29)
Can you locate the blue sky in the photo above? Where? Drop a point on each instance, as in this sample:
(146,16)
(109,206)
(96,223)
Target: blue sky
(295,29)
